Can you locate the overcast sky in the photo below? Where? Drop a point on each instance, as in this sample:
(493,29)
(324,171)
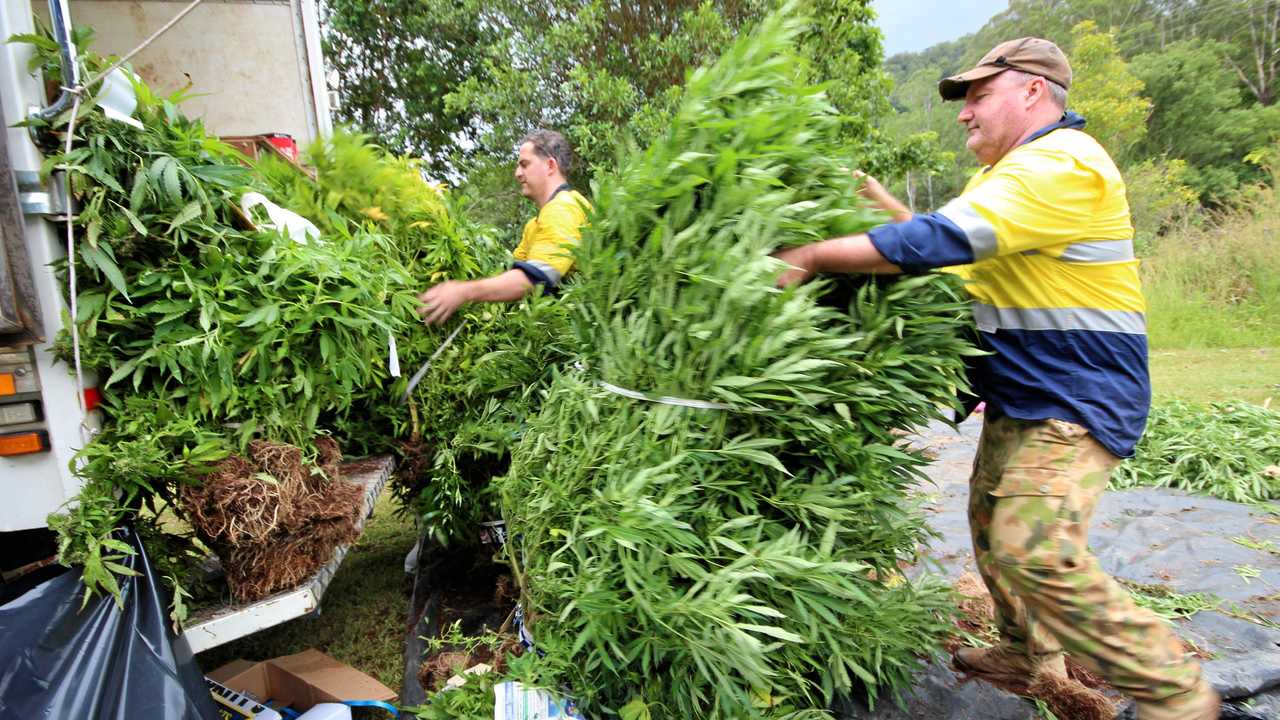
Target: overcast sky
(911,25)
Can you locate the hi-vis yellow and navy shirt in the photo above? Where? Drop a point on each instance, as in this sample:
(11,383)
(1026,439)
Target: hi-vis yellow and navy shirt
(545,252)
(1044,238)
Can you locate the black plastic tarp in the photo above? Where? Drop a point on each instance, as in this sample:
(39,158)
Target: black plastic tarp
(102,661)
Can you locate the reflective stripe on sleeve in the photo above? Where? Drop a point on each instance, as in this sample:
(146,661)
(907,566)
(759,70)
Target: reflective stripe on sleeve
(979,232)
(990,318)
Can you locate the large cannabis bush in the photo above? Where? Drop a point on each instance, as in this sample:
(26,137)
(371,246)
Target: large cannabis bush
(204,332)
(738,556)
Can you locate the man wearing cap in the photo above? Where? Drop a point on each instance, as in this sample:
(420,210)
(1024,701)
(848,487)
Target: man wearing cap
(545,253)
(1042,233)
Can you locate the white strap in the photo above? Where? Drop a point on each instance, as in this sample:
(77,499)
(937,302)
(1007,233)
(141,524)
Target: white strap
(668,400)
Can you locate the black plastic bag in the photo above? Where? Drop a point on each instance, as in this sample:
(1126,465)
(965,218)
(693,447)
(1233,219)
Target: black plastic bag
(102,662)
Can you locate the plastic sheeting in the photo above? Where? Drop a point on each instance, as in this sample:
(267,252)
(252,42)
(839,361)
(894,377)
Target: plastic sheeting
(102,662)
(1190,544)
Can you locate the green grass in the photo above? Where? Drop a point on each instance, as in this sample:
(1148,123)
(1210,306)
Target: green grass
(1217,286)
(1214,374)
(363,613)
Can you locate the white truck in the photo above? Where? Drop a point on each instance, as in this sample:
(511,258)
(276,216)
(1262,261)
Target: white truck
(256,68)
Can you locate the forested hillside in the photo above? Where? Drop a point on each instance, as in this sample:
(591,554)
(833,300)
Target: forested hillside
(1182,93)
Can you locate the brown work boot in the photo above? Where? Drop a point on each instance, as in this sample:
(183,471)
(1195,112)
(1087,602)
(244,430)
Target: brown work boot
(1200,703)
(1002,661)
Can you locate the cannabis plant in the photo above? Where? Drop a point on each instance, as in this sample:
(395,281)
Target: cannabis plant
(710,511)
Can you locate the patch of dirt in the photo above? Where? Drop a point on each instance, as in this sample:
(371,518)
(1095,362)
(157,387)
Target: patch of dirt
(455,659)
(360,467)
(473,591)
(1196,651)
(477,596)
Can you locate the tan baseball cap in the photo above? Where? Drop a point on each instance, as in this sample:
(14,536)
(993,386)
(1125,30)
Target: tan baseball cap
(1032,55)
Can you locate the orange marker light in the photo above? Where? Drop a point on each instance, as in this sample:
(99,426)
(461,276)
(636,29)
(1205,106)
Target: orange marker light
(22,443)
(8,385)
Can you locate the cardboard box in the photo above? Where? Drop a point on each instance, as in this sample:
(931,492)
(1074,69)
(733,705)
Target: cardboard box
(300,681)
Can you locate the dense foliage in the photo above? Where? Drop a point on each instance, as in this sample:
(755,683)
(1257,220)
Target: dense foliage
(454,430)
(1229,450)
(205,335)
(209,329)
(462,82)
(740,560)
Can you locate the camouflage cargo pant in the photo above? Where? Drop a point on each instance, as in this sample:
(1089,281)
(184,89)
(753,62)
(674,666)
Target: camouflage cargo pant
(1031,497)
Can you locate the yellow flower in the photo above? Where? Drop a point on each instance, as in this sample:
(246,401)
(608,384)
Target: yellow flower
(374,213)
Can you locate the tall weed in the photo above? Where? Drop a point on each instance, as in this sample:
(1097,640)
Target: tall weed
(1218,285)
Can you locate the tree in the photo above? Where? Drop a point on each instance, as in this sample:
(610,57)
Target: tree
(844,49)
(607,68)
(1106,92)
(606,72)
(927,126)
(1253,51)
(592,68)
(397,60)
(1199,115)
(462,80)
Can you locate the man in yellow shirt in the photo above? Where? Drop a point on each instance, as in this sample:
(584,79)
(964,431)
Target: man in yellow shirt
(1043,235)
(545,254)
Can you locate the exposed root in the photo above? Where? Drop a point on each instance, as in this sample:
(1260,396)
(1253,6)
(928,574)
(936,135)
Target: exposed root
(274,519)
(328,456)
(976,614)
(1076,696)
(238,503)
(1068,698)
(415,462)
(504,591)
(258,570)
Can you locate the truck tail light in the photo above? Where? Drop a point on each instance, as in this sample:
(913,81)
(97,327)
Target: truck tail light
(23,443)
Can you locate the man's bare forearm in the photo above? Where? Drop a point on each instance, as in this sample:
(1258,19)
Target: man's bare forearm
(876,193)
(506,287)
(850,254)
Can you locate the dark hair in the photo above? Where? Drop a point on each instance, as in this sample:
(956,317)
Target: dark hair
(551,144)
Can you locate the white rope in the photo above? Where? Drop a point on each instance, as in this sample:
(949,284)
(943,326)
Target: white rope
(85,433)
